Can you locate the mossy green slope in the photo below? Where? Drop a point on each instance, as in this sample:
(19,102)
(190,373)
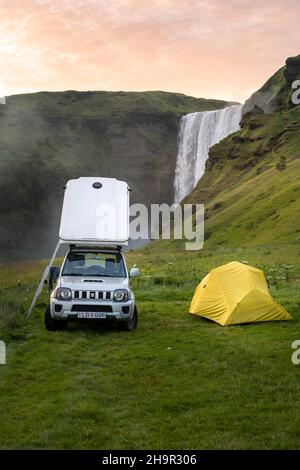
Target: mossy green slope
(251,187)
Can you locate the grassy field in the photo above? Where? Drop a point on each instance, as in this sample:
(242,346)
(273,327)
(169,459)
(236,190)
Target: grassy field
(176,382)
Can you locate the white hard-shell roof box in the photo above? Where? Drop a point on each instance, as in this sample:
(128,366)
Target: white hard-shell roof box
(95,210)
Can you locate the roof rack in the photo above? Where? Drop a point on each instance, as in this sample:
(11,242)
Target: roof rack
(92,247)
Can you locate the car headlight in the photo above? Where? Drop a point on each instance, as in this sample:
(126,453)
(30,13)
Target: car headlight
(120,295)
(64,293)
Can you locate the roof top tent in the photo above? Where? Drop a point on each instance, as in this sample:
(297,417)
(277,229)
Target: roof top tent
(95,210)
(95,213)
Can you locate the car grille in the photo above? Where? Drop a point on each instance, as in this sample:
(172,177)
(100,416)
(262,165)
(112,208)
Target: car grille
(91,308)
(92,295)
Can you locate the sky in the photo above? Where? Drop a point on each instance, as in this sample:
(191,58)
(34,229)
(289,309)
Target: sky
(223,49)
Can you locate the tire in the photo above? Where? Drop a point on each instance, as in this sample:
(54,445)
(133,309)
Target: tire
(54,325)
(131,323)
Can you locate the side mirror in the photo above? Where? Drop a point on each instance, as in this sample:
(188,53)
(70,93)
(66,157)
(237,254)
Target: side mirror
(134,272)
(53,275)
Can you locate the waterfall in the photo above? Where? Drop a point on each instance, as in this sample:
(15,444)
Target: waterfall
(198,132)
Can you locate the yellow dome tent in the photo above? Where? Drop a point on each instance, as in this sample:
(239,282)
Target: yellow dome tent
(236,293)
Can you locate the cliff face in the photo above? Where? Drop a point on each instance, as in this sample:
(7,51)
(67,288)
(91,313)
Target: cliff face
(48,138)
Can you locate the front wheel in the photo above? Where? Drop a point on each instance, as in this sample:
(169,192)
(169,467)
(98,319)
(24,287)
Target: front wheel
(131,323)
(53,325)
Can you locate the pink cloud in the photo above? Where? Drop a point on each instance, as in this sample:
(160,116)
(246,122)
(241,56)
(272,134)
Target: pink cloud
(210,48)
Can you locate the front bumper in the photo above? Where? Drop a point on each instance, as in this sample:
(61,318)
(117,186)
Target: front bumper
(68,310)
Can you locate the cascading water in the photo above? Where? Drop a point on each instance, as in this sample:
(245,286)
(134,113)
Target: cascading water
(198,132)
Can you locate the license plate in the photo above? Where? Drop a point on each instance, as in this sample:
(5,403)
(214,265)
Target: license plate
(91,315)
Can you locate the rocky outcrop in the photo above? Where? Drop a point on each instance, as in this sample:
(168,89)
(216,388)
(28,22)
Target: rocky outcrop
(275,95)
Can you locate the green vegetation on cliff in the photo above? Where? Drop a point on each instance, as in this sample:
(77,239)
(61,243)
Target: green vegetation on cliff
(251,187)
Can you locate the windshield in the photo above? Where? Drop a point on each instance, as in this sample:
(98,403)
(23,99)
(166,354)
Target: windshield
(94,264)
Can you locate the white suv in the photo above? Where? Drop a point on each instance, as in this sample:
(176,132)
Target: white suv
(93,284)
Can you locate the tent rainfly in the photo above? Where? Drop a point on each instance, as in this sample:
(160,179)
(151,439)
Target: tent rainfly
(236,293)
